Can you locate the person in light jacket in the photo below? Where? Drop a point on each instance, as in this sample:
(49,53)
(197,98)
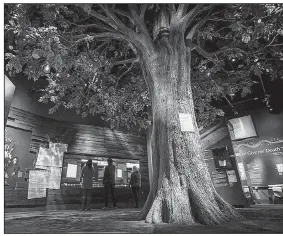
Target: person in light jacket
(135,184)
(87,174)
(109,183)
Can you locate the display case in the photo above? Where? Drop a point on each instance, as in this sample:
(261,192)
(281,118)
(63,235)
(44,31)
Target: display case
(124,169)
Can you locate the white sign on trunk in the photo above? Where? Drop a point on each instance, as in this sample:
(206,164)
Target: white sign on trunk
(186,121)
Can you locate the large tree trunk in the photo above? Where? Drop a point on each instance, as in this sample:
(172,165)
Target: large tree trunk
(182,191)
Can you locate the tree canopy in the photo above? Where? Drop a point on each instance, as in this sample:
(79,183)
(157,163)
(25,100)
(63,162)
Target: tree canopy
(88,54)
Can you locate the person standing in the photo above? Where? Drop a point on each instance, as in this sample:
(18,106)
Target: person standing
(87,174)
(135,184)
(109,183)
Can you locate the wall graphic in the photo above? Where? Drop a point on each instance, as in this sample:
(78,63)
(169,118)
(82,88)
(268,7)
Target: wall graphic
(38,180)
(262,160)
(52,156)
(48,169)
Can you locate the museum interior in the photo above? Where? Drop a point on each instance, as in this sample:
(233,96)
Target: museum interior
(243,152)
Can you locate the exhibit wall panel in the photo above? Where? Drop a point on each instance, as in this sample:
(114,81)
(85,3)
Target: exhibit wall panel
(81,139)
(31,131)
(9,94)
(262,156)
(228,188)
(85,139)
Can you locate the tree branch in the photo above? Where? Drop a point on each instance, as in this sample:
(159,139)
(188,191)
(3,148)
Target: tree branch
(118,23)
(269,59)
(98,26)
(101,46)
(205,54)
(187,19)
(172,10)
(229,49)
(124,74)
(269,45)
(194,29)
(101,17)
(219,19)
(208,56)
(127,61)
(182,10)
(123,13)
(197,26)
(139,20)
(122,31)
(143,10)
(104,35)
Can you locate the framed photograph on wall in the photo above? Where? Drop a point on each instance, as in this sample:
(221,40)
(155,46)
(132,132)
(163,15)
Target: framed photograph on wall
(221,158)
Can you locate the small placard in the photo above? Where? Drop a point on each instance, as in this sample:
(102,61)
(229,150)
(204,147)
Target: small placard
(71,171)
(186,121)
(232,178)
(119,173)
(20,174)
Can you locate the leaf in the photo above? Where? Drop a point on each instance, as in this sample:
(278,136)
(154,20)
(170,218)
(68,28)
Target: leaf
(58,63)
(50,56)
(257,71)
(280,31)
(209,36)
(246,38)
(237,27)
(259,28)
(87,8)
(36,53)
(245,91)
(220,112)
(273,75)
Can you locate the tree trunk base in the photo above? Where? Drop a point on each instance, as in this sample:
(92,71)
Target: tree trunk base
(171,205)
(176,204)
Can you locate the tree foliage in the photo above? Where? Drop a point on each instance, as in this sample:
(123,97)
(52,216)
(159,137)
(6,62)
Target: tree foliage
(87,53)
(8,148)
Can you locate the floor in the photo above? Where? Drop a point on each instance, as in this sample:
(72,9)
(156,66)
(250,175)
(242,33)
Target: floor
(265,220)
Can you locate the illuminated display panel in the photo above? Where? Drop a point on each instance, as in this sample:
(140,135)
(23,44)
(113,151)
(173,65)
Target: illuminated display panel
(241,128)
(72,171)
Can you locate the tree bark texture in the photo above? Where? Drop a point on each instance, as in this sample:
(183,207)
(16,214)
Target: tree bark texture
(182,191)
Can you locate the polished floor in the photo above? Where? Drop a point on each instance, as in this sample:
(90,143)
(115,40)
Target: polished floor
(265,220)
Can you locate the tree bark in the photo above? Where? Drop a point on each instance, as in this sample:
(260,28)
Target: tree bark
(182,190)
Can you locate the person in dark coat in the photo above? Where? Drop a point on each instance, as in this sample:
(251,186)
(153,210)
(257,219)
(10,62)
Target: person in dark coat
(109,183)
(87,174)
(135,184)
(13,167)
